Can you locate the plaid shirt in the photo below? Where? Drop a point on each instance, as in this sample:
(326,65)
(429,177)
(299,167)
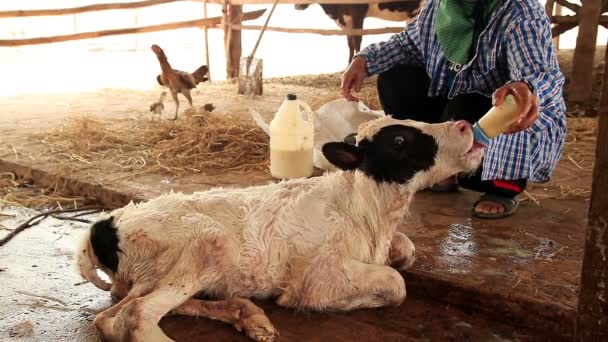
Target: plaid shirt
(515,46)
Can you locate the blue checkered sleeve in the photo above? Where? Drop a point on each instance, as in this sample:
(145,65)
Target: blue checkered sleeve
(532,59)
(401,48)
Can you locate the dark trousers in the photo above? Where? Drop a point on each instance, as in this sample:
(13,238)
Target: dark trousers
(403,90)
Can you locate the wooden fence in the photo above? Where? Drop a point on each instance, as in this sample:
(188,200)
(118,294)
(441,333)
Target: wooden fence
(230,22)
(587,17)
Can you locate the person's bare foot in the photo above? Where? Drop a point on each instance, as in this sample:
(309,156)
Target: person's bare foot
(494,206)
(489,207)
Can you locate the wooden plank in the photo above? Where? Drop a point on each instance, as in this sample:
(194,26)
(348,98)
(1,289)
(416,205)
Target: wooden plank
(234,48)
(581,83)
(559,29)
(83,9)
(569,5)
(207,62)
(147,3)
(549,7)
(209,22)
(558,9)
(573,19)
(323,32)
(227,37)
(293,2)
(592,316)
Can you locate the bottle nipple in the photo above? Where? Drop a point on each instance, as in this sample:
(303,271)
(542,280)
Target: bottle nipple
(496,121)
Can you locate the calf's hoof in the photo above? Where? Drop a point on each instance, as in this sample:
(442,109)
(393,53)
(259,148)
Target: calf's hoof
(258,328)
(402,253)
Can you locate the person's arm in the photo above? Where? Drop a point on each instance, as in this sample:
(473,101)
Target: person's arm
(532,60)
(401,48)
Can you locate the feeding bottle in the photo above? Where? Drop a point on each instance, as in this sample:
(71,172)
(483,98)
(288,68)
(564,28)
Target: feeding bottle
(496,120)
(291,140)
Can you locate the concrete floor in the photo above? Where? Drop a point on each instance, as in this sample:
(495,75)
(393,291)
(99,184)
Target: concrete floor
(42,298)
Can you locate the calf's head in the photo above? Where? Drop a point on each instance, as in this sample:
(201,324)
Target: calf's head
(408,152)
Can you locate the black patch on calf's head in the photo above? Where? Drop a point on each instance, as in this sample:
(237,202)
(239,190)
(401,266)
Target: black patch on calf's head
(394,154)
(104,240)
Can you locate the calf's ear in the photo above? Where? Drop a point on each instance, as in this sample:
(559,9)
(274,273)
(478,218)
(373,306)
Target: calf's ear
(344,156)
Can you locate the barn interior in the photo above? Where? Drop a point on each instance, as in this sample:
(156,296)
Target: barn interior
(529,277)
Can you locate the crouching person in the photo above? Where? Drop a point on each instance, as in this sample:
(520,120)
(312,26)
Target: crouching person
(447,64)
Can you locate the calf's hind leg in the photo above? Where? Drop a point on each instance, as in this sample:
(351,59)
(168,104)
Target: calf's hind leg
(242,313)
(352,285)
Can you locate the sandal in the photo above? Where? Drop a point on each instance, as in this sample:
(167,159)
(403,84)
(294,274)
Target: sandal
(508,203)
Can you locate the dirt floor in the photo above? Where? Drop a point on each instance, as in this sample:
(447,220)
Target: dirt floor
(523,270)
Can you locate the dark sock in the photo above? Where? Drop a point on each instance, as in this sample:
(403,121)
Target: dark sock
(507,188)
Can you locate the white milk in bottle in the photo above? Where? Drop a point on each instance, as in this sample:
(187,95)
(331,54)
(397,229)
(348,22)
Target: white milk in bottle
(497,120)
(291,140)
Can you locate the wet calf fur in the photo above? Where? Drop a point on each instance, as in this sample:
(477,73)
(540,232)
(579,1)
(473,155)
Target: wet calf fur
(325,243)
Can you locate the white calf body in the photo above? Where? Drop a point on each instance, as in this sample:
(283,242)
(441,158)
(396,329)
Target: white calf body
(326,243)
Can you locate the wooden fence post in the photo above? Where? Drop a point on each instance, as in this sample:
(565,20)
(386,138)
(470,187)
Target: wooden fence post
(558,11)
(206,41)
(581,82)
(592,315)
(232,38)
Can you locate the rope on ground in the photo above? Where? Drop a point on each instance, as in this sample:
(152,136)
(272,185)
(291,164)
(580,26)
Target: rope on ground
(36,219)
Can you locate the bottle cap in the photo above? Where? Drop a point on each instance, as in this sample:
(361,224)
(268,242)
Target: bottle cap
(291,96)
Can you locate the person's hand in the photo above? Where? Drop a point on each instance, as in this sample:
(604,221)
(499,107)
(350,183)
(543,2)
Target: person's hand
(353,77)
(527,104)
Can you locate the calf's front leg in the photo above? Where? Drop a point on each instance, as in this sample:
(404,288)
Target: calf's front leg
(135,318)
(402,253)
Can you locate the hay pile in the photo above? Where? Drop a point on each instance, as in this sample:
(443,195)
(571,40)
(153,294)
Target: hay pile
(580,143)
(200,143)
(581,129)
(22,193)
(573,182)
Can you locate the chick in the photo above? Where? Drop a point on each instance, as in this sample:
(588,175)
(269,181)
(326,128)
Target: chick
(209,107)
(158,107)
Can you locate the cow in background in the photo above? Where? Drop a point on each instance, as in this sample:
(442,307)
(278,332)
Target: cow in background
(351,16)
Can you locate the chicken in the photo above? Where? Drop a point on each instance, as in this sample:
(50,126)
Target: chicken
(178,81)
(157,107)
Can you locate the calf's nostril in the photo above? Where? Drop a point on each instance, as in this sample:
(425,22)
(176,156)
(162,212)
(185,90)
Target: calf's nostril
(462,126)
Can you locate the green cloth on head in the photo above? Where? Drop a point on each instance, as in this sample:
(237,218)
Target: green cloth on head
(458,24)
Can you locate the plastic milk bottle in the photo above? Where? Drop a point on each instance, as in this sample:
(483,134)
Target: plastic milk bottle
(496,120)
(291,140)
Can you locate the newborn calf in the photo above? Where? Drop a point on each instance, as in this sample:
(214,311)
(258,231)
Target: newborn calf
(324,243)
